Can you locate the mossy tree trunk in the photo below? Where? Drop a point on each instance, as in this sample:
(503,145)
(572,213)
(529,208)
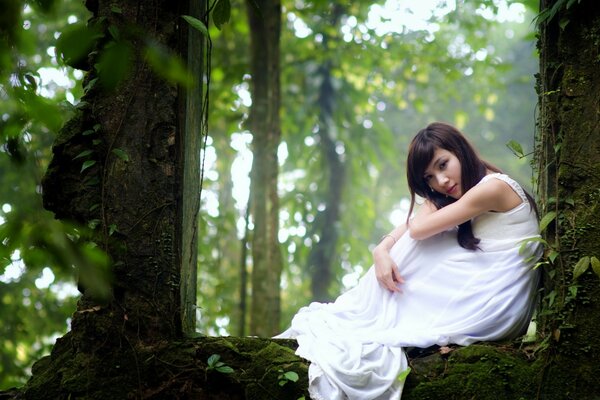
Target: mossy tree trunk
(140,190)
(569,185)
(133,192)
(264,19)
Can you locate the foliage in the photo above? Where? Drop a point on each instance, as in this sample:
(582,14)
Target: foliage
(213,363)
(287,376)
(38,256)
(388,85)
(547,14)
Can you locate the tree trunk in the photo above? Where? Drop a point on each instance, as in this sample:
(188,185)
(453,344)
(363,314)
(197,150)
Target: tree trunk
(265,26)
(141,193)
(322,253)
(135,189)
(326,223)
(569,182)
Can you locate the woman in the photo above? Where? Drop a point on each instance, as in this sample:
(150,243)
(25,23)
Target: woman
(454,273)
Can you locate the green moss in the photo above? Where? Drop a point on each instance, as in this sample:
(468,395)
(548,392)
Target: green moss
(475,372)
(175,369)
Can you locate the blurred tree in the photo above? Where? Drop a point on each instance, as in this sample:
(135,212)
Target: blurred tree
(264,18)
(221,264)
(325,228)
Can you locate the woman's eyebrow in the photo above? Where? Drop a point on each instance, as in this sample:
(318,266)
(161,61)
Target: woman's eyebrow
(434,165)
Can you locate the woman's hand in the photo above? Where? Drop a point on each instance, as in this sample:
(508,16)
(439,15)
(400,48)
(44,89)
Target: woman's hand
(386,270)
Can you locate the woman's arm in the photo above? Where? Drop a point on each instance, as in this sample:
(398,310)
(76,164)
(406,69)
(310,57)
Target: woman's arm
(386,270)
(388,241)
(493,195)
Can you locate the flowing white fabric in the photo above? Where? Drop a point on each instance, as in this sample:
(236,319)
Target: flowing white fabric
(450,295)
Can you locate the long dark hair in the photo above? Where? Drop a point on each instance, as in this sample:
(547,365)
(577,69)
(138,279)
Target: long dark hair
(472,168)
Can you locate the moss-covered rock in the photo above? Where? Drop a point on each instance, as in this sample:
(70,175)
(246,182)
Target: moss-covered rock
(482,371)
(169,370)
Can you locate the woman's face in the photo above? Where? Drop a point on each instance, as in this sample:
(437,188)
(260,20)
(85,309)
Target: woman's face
(443,173)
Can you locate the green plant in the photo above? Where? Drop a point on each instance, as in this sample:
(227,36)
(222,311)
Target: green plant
(287,376)
(216,365)
(403,375)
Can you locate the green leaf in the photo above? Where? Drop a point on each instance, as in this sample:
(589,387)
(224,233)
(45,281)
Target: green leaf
(225,369)
(196,24)
(525,242)
(75,43)
(114,64)
(87,164)
(549,13)
(557,147)
(92,181)
(403,375)
(84,153)
(291,376)
(95,273)
(121,154)
(581,266)
(552,256)
(212,360)
(168,65)
(88,132)
(221,13)
(116,10)
(551,297)
(516,148)
(573,291)
(90,84)
(595,265)
(114,32)
(547,219)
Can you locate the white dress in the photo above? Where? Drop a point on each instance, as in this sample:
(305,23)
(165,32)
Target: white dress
(450,295)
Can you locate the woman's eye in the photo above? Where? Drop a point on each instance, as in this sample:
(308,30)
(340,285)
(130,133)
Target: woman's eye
(427,178)
(443,165)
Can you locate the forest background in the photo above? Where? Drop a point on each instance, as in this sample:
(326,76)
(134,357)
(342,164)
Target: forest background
(387,69)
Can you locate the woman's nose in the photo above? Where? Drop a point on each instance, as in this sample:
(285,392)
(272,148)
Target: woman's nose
(442,179)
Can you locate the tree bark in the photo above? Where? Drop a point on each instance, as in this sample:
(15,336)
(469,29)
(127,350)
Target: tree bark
(569,157)
(265,28)
(136,199)
(141,194)
(193,120)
